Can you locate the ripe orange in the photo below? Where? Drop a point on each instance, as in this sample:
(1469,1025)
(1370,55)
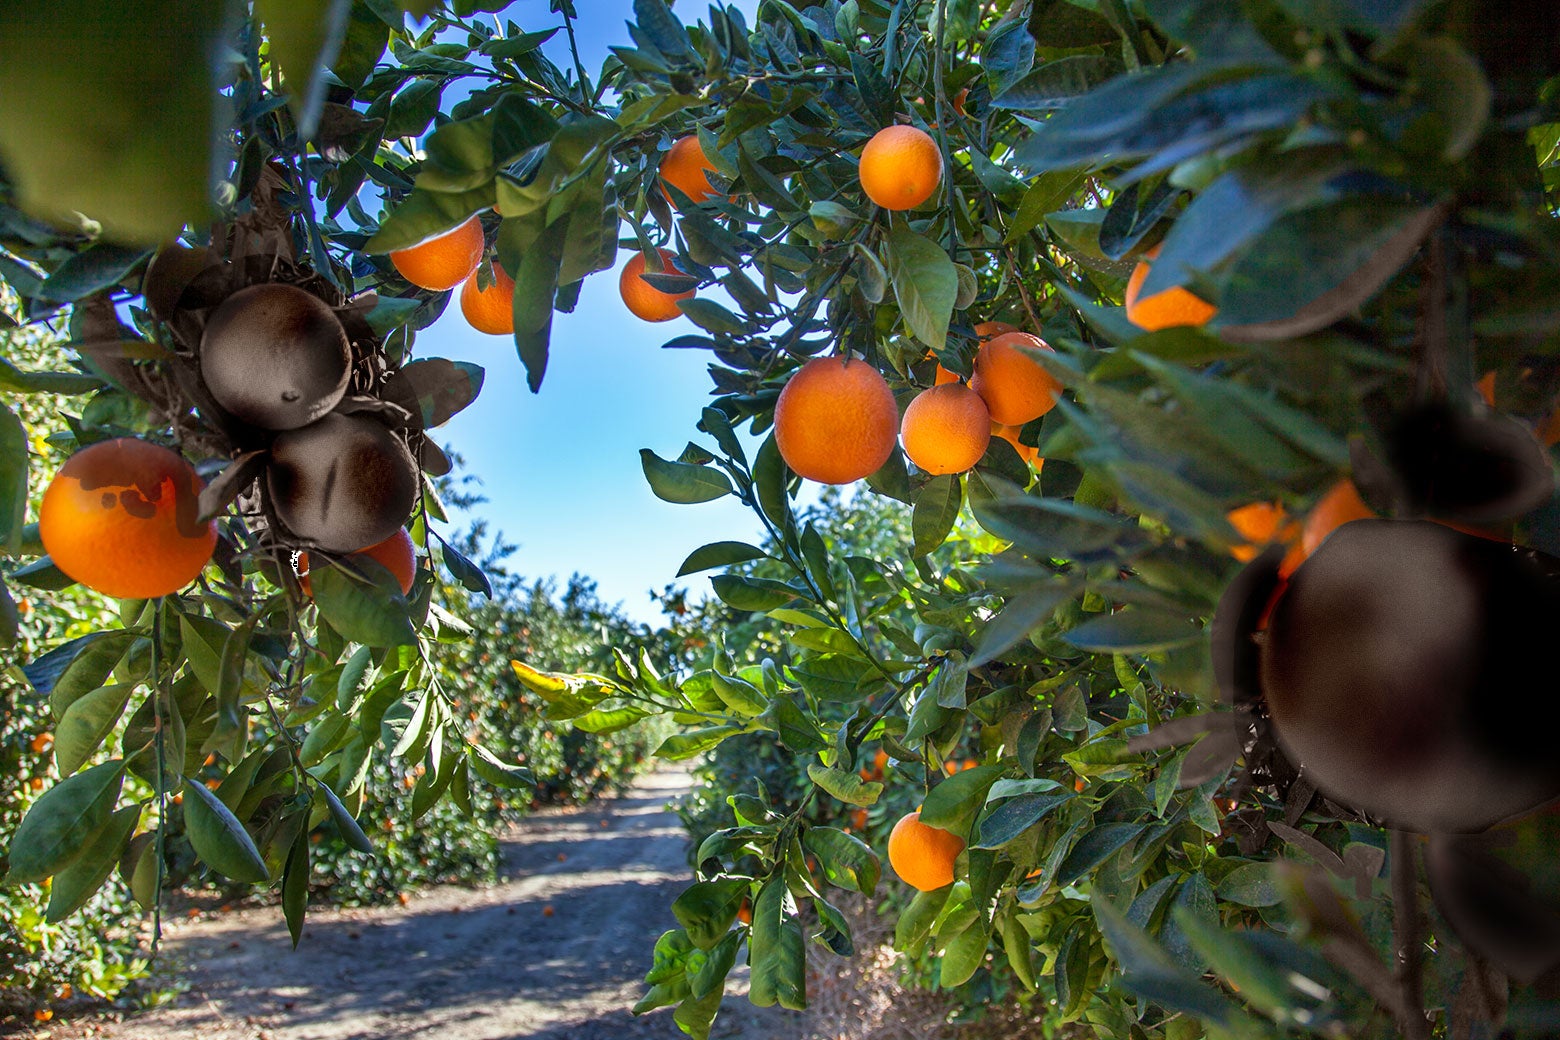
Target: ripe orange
(396,553)
(41,743)
(444,261)
(683,167)
(1165,309)
(1486,387)
(922,855)
(988,329)
(490,310)
(944,376)
(858,819)
(1014,386)
(644,300)
(745,912)
(946,429)
(900,167)
(836,423)
(880,761)
(1259,523)
(1010,434)
(1341,505)
(120,517)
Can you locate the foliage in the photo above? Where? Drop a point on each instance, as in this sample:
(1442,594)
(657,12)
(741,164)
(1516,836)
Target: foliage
(1366,191)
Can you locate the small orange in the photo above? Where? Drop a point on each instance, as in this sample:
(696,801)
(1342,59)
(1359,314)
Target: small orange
(923,855)
(835,422)
(990,329)
(745,912)
(396,553)
(880,761)
(444,261)
(684,167)
(1010,434)
(944,376)
(490,310)
(1259,524)
(644,300)
(1486,387)
(1015,387)
(1166,309)
(121,517)
(858,819)
(946,429)
(950,767)
(41,743)
(900,167)
(1341,505)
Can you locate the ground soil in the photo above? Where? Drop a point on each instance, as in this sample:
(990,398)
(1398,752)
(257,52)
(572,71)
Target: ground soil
(555,951)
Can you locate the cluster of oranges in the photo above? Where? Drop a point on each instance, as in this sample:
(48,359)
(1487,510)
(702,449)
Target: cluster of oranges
(836,421)
(452,259)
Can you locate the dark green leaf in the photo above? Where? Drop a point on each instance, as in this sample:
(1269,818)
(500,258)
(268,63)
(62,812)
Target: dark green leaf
(364,603)
(719,554)
(63,822)
(220,840)
(707,909)
(13,480)
(777,950)
(847,861)
(1016,815)
(925,284)
(79,882)
(87,722)
(936,510)
(434,389)
(345,822)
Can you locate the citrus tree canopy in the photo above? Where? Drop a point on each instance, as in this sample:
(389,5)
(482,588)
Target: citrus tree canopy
(1220,336)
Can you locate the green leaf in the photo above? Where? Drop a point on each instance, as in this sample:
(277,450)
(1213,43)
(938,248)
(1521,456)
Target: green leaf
(1250,884)
(936,510)
(13,480)
(79,882)
(1096,846)
(141,164)
(219,839)
(719,554)
(295,885)
(707,909)
(952,805)
(363,45)
(848,787)
(364,603)
(777,950)
(925,284)
(63,822)
(963,956)
(682,482)
(77,667)
(711,316)
(304,37)
(1134,630)
(1057,82)
(345,822)
(204,639)
(427,214)
(752,594)
(914,926)
(87,722)
(847,861)
(679,746)
(1149,971)
(1014,816)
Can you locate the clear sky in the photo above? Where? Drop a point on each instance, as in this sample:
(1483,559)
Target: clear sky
(561,468)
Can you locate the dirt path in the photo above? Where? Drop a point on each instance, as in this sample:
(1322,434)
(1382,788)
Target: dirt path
(459,963)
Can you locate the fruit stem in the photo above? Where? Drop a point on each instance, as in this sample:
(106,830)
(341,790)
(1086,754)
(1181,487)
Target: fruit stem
(1406,928)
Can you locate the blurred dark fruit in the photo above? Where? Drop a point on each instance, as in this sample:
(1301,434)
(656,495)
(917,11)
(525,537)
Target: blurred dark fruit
(275,356)
(343,483)
(1475,469)
(1405,671)
(1500,892)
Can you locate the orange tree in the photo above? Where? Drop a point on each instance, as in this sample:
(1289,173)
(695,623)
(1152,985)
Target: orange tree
(1199,809)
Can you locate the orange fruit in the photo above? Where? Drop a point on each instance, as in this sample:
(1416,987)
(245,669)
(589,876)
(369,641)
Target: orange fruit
(900,167)
(490,310)
(683,167)
(1548,429)
(120,517)
(946,429)
(1486,387)
(858,819)
(1010,434)
(1013,385)
(644,300)
(988,329)
(745,912)
(41,743)
(943,376)
(1259,524)
(1341,505)
(880,761)
(950,767)
(396,553)
(1165,309)
(923,855)
(444,261)
(836,422)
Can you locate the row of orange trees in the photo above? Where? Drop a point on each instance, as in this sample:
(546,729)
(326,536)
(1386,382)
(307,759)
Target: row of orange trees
(1354,205)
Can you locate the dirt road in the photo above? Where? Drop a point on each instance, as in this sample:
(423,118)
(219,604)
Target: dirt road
(459,963)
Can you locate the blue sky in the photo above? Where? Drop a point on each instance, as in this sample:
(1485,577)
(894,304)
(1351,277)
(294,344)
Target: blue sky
(561,468)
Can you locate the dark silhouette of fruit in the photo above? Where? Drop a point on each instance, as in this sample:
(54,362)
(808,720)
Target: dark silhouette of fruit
(1447,463)
(1500,892)
(275,356)
(343,483)
(1404,673)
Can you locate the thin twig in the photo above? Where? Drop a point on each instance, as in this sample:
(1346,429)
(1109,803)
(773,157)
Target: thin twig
(1406,928)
